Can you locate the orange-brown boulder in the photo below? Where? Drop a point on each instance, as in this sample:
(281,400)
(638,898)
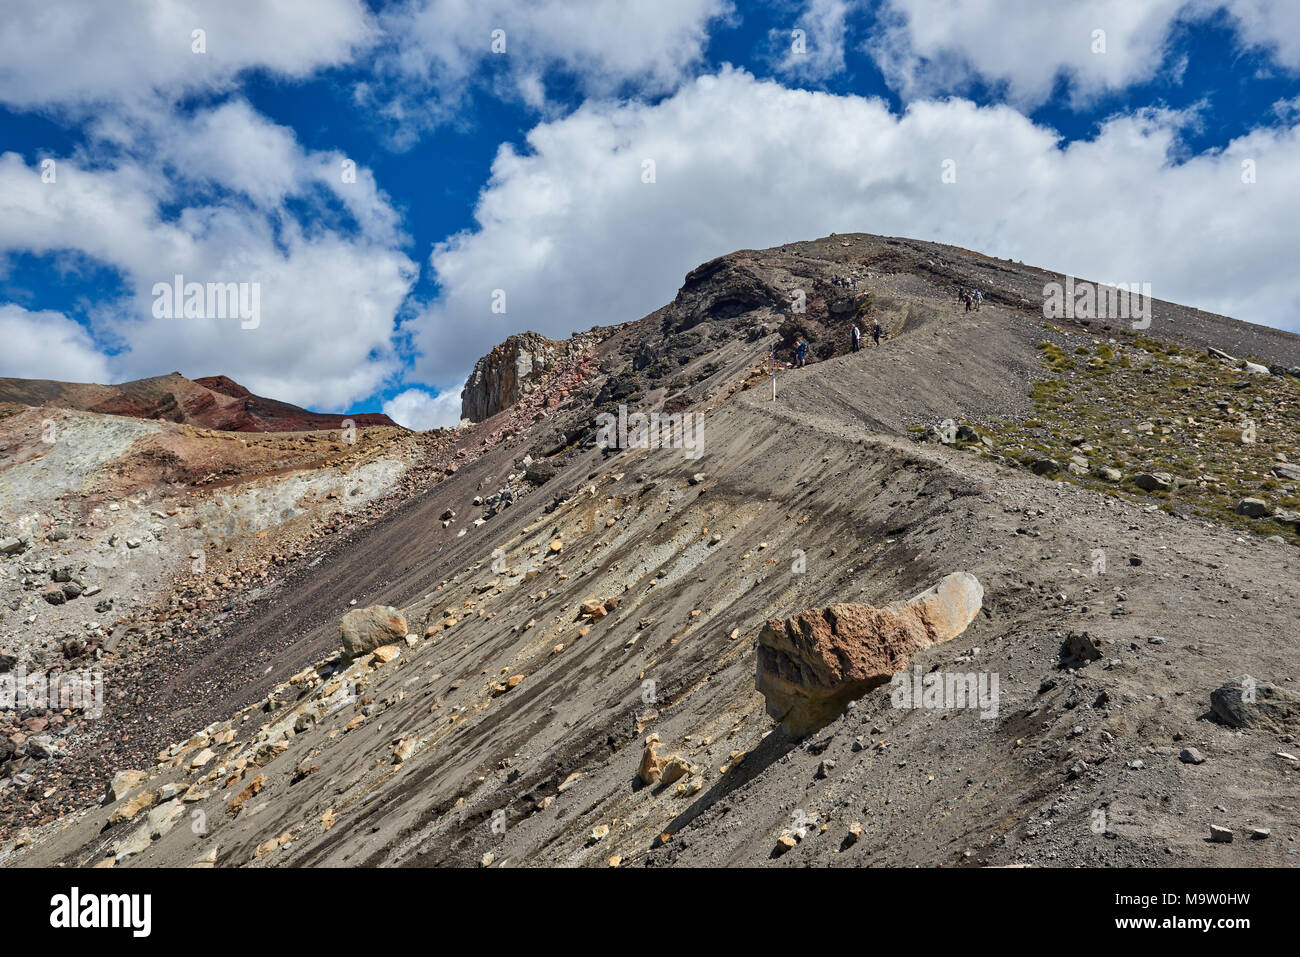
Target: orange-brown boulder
(811,665)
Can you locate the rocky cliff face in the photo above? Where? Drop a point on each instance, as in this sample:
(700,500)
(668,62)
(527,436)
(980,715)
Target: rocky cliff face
(512,370)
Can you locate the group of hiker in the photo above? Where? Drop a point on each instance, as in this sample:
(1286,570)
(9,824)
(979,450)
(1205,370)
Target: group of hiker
(801,345)
(845,282)
(971,297)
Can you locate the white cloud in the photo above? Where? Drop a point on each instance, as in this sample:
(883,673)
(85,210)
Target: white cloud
(79,52)
(1271,25)
(818,53)
(420,410)
(47,345)
(329,296)
(930,47)
(575,238)
(437,50)
(927,47)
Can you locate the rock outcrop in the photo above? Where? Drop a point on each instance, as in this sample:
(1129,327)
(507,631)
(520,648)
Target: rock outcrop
(813,664)
(508,373)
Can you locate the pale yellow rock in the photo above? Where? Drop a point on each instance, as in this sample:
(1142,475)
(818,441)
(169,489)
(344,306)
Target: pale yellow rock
(675,769)
(163,818)
(404,750)
(138,842)
(266,847)
(652,764)
(386,653)
(123,782)
(207,860)
(132,806)
(854,835)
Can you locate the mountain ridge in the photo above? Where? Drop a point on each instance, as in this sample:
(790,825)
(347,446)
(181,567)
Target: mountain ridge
(215,402)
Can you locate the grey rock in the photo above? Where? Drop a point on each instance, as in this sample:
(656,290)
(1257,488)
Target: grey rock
(1154,481)
(1081,647)
(1258,705)
(1252,508)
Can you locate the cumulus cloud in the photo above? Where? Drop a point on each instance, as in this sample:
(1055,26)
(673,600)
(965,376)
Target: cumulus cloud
(47,345)
(816,52)
(930,47)
(927,47)
(420,410)
(82,52)
(329,271)
(573,236)
(436,51)
(1270,25)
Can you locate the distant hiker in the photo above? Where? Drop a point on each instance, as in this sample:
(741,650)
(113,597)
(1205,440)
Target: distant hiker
(800,353)
(875,332)
(857,338)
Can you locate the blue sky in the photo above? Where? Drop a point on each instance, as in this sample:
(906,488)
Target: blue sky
(1150,142)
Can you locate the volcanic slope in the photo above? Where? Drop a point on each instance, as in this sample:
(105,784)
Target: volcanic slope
(212,402)
(508,730)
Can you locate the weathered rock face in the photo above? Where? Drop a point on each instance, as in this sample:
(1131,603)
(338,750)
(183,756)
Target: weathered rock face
(813,664)
(507,373)
(365,629)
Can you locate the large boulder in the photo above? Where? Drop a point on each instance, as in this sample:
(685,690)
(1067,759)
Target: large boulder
(1257,704)
(810,666)
(1154,481)
(365,629)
